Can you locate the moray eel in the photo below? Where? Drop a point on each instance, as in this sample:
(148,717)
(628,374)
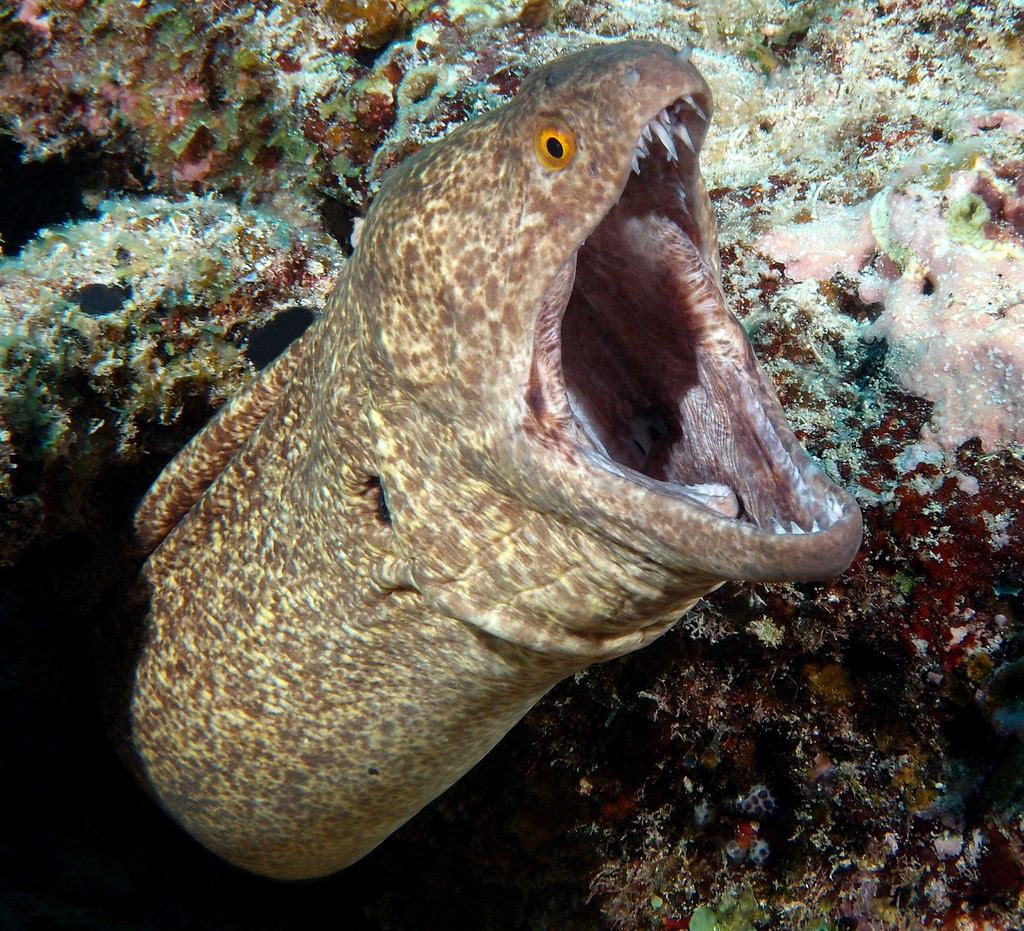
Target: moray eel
(526,435)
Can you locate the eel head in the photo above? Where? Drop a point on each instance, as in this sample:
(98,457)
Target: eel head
(580,339)
(644,393)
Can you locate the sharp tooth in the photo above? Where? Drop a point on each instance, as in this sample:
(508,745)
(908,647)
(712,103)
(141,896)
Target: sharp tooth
(642,146)
(695,107)
(647,133)
(636,163)
(666,140)
(778,527)
(814,527)
(665,117)
(796,527)
(680,130)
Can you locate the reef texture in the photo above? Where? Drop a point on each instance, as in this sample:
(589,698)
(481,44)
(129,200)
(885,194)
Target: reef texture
(112,326)
(258,97)
(946,267)
(845,756)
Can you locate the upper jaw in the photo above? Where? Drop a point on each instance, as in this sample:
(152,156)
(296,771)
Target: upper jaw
(678,127)
(645,384)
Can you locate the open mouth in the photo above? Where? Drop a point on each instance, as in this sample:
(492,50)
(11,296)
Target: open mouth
(647,371)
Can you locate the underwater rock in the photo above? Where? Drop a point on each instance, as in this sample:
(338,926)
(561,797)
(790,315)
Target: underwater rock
(296,96)
(110,325)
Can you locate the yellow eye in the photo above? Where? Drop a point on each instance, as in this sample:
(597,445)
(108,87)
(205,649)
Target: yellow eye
(555,144)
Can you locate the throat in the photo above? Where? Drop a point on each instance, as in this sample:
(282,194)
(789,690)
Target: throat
(631,339)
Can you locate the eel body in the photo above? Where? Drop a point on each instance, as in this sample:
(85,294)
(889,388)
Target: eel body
(526,435)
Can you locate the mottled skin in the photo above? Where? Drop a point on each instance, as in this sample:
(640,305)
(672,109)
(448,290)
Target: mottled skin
(317,665)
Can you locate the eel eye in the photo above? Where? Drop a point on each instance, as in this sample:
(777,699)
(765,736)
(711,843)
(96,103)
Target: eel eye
(555,144)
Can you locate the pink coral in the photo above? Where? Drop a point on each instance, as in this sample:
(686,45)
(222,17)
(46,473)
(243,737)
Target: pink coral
(31,14)
(949,270)
(842,243)
(955,318)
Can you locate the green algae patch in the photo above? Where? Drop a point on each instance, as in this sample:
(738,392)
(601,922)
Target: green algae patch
(966,217)
(733,912)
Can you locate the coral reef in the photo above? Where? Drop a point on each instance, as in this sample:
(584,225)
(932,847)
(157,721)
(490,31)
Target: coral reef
(947,268)
(865,165)
(258,97)
(109,326)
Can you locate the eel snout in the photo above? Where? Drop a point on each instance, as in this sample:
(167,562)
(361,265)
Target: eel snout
(654,378)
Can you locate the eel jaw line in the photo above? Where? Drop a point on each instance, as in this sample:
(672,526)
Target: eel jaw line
(645,372)
(668,125)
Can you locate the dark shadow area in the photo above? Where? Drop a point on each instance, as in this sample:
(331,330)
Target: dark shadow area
(38,194)
(339,220)
(85,847)
(265,343)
